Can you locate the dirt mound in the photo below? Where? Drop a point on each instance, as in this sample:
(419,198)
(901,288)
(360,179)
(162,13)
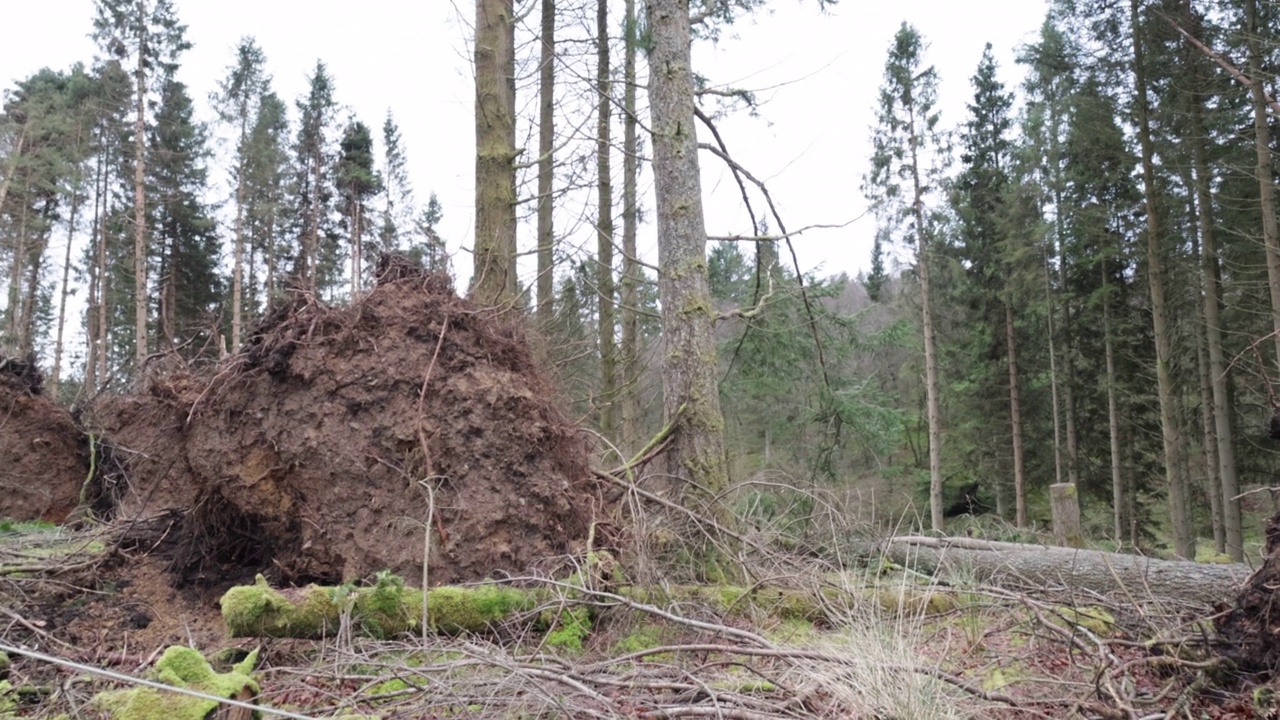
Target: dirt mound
(321,451)
(1251,630)
(44,457)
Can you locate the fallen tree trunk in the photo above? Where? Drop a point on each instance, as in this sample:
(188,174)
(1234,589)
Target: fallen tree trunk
(1041,566)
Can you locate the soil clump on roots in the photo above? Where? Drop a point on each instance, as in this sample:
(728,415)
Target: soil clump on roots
(325,449)
(44,456)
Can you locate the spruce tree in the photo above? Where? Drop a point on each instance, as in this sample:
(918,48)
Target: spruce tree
(237,106)
(906,170)
(267,175)
(182,227)
(313,184)
(144,35)
(357,181)
(399,208)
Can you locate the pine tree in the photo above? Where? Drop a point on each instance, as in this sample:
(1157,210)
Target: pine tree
(980,191)
(357,181)
(190,287)
(429,249)
(237,106)
(266,173)
(313,186)
(877,277)
(148,37)
(906,171)
(399,207)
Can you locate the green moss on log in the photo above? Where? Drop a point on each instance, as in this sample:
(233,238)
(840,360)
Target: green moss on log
(384,610)
(182,667)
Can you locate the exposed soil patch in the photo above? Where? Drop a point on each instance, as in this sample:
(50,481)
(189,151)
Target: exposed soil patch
(44,457)
(1251,630)
(321,451)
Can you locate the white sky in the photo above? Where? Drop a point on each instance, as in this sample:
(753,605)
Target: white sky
(817,73)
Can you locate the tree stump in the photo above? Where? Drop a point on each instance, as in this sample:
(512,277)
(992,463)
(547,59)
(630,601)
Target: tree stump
(1065,505)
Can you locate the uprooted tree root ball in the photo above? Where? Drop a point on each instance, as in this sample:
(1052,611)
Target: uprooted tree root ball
(45,464)
(326,448)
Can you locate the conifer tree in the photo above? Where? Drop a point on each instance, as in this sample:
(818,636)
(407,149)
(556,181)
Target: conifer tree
(184,233)
(266,173)
(979,197)
(237,106)
(398,208)
(906,170)
(314,159)
(146,36)
(357,181)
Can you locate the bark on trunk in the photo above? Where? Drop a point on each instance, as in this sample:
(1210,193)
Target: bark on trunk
(933,412)
(1219,378)
(493,283)
(630,358)
(1266,180)
(546,164)
(140,218)
(1064,505)
(690,393)
(66,283)
(604,229)
(1015,420)
(237,263)
(1018,565)
(1180,524)
(1113,415)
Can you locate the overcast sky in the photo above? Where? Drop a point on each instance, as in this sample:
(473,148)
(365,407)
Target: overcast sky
(817,73)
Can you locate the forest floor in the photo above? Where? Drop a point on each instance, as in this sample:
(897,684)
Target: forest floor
(346,446)
(872,642)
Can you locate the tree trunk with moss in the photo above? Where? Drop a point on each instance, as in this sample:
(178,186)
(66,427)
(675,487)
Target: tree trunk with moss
(494,280)
(696,459)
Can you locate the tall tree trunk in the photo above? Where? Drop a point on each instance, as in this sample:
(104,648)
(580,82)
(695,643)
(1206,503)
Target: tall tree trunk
(494,282)
(103,347)
(1113,414)
(933,412)
(546,168)
(16,271)
(1184,540)
(1219,379)
(66,282)
(92,330)
(691,397)
(1212,477)
(630,351)
(604,228)
(1053,376)
(140,217)
(357,208)
(13,166)
(1266,179)
(1015,420)
(35,268)
(237,267)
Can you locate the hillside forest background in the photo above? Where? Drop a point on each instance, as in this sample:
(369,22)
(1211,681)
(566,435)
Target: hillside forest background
(1076,282)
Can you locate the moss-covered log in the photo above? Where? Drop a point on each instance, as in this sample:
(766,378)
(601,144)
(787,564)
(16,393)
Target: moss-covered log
(389,608)
(386,609)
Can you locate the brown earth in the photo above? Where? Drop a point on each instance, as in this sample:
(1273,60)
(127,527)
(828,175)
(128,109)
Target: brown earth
(1251,629)
(44,456)
(309,456)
